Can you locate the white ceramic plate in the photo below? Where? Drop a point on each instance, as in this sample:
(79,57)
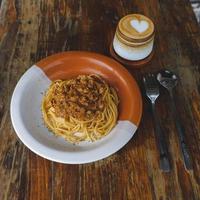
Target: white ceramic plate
(27,119)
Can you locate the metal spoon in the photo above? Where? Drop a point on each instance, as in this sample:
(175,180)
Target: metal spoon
(169,80)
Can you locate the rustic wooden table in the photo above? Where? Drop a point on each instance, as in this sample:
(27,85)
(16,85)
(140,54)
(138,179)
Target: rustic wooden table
(31,30)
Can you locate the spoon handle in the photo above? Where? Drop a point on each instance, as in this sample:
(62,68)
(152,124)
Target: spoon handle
(181,135)
(162,146)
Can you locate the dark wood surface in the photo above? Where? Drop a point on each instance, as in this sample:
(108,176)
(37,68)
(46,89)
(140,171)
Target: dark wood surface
(31,30)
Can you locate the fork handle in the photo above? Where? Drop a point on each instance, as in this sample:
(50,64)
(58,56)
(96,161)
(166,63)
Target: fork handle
(164,159)
(181,136)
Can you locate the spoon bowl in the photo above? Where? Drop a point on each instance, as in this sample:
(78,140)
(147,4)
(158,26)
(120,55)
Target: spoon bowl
(167,79)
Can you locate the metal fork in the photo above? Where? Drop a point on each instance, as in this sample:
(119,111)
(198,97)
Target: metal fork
(152,92)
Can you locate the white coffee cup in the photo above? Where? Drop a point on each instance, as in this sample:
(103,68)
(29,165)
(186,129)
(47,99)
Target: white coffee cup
(134,37)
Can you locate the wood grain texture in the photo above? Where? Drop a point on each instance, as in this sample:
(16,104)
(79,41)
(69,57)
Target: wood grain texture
(31,30)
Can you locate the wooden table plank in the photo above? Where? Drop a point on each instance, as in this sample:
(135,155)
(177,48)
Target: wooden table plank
(31,30)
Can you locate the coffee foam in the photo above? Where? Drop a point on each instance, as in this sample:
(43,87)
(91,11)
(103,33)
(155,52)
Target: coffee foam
(136,27)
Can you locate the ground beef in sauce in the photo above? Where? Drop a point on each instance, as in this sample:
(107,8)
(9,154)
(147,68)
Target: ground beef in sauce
(81,97)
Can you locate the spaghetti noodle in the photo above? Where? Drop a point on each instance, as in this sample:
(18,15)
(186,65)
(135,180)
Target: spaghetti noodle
(80,109)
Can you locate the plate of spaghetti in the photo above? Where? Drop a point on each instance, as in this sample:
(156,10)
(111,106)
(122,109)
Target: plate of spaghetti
(76,107)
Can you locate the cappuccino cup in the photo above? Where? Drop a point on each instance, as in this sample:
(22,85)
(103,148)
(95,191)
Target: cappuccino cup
(134,37)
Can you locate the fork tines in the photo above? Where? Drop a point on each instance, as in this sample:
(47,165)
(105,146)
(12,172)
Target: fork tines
(151,86)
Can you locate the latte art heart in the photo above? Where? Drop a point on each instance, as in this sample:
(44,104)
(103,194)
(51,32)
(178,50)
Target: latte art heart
(139,26)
